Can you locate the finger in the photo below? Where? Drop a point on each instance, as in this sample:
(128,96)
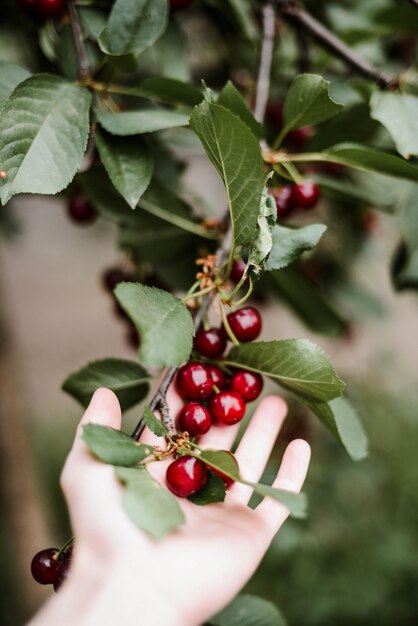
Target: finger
(291,476)
(89,485)
(257,443)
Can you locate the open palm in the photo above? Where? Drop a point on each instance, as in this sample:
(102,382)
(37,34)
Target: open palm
(195,571)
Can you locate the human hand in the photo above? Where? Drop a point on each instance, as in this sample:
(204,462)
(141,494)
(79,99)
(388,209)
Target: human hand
(119,575)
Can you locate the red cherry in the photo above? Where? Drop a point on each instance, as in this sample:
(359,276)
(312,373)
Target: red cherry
(44,565)
(80,210)
(248,384)
(50,8)
(275,114)
(298,138)
(228,481)
(195,419)
(305,195)
(237,270)
(283,198)
(177,5)
(245,323)
(115,275)
(194,382)
(210,343)
(218,377)
(61,573)
(186,475)
(227,407)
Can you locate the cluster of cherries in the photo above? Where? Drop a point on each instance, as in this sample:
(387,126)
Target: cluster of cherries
(212,398)
(303,195)
(51,566)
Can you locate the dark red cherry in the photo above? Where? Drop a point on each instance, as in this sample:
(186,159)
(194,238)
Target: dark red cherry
(297,138)
(50,8)
(116,275)
(227,407)
(210,343)
(177,5)
(61,573)
(194,381)
(195,419)
(237,270)
(245,323)
(283,198)
(43,566)
(186,475)
(305,195)
(218,377)
(29,7)
(248,384)
(80,210)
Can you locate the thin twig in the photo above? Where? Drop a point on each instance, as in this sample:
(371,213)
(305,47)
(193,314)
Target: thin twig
(295,14)
(267,47)
(83,60)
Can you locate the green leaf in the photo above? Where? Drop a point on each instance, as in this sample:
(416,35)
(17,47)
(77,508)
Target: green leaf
(225,462)
(289,243)
(141,121)
(231,99)
(398,114)
(235,153)
(44,128)
(10,77)
(213,491)
(128,162)
(155,425)
(163,322)
(405,267)
(127,379)
(341,419)
(306,299)
(262,242)
(296,364)
(247,610)
(364,158)
(149,505)
(113,446)
(171,91)
(352,124)
(92,21)
(161,203)
(133,25)
(308,102)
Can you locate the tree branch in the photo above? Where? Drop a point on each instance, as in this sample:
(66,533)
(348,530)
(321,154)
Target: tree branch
(83,60)
(267,47)
(295,14)
(414,2)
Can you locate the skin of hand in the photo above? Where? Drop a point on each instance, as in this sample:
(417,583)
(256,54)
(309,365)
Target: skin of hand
(120,575)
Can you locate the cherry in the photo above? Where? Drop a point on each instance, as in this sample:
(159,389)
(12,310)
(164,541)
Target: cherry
(305,195)
(228,481)
(218,377)
(298,138)
(194,381)
(44,565)
(245,323)
(61,573)
(210,343)
(177,5)
(227,407)
(237,270)
(248,384)
(195,419)
(186,475)
(114,276)
(283,198)
(80,210)
(50,8)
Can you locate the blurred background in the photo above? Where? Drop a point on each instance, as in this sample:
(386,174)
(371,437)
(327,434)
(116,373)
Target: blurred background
(353,561)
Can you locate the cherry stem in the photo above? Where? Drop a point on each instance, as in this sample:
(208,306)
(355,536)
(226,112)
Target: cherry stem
(80,46)
(64,548)
(247,295)
(227,327)
(294,172)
